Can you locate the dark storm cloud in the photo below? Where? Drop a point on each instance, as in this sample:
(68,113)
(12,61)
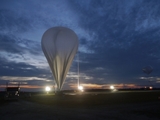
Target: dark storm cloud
(8,68)
(12,48)
(126,40)
(22,16)
(10,43)
(12,22)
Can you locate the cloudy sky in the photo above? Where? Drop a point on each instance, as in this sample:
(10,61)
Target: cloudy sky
(117,39)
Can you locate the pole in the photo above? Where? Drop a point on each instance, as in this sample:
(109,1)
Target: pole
(78,68)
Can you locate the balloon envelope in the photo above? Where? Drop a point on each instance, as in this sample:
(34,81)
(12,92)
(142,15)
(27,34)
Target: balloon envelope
(59,45)
(147,69)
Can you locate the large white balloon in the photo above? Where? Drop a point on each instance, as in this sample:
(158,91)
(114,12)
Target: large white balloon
(59,45)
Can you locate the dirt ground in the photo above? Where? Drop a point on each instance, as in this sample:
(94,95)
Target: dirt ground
(25,110)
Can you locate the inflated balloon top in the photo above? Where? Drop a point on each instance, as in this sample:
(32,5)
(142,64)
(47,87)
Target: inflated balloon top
(59,45)
(147,69)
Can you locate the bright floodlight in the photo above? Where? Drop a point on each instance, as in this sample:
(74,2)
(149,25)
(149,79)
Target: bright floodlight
(80,88)
(48,88)
(112,87)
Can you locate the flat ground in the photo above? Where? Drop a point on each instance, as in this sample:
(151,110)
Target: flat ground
(120,105)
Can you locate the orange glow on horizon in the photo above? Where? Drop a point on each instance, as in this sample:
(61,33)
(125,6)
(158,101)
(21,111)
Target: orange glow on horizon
(106,86)
(86,86)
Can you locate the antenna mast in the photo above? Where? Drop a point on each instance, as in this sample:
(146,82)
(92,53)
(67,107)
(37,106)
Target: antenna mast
(78,68)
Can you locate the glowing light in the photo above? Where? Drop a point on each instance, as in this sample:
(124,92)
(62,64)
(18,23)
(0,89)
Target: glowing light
(47,88)
(150,88)
(80,88)
(112,87)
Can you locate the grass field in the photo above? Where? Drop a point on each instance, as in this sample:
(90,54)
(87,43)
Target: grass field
(119,105)
(91,99)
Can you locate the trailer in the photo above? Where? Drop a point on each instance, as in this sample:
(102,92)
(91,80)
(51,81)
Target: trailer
(12,92)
